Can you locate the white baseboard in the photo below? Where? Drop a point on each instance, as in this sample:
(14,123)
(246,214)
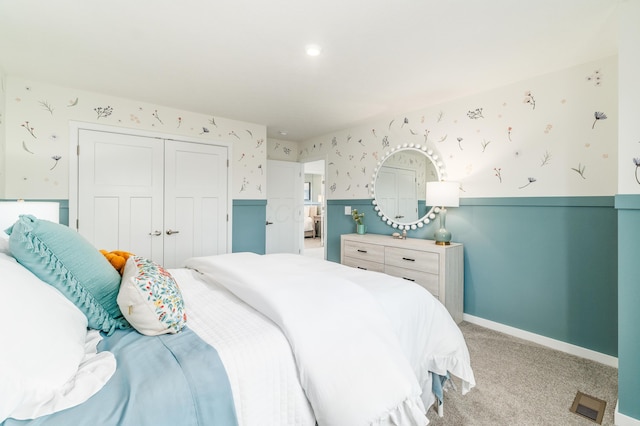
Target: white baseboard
(545,341)
(622,420)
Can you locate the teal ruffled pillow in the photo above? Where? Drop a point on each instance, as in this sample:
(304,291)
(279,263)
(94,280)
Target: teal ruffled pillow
(64,259)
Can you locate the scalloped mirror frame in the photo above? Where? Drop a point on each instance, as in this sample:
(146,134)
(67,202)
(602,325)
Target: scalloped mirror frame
(440,170)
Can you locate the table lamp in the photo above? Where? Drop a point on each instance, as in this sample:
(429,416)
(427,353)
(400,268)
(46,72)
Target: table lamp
(443,194)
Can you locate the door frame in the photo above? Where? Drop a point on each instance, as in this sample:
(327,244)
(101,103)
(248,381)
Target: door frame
(74,140)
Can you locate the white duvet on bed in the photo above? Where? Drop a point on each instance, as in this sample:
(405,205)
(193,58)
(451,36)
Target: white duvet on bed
(258,358)
(255,353)
(348,357)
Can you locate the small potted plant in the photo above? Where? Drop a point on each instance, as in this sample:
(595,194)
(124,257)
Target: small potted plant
(358,219)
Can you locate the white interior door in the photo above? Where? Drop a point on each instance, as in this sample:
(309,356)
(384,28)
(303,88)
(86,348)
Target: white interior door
(407,196)
(195,203)
(120,192)
(284,207)
(386,191)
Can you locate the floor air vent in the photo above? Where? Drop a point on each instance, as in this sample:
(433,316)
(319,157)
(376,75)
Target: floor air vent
(589,407)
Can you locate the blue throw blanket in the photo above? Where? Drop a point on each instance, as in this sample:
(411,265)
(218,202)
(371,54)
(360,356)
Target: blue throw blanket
(175,379)
(437,386)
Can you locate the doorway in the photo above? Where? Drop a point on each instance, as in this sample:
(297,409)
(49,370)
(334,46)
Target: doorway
(314,209)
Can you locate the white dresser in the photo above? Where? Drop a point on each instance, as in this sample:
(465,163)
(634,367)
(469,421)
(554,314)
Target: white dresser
(439,269)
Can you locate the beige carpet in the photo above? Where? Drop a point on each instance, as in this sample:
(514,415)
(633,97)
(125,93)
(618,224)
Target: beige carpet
(522,383)
(310,243)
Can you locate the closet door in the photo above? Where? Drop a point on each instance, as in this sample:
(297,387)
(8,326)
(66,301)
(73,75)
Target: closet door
(407,195)
(162,199)
(396,193)
(120,192)
(195,203)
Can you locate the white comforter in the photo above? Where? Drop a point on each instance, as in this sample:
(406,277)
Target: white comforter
(420,327)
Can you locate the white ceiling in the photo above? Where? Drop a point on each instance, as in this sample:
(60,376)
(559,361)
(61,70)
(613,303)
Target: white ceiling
(245,59)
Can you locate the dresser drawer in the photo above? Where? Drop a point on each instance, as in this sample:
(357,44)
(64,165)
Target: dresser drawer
(412,259)
(425,279)
(364,251)
(438,269)
(363,264)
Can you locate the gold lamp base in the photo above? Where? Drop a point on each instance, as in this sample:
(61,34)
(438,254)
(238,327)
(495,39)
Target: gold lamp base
(443,243)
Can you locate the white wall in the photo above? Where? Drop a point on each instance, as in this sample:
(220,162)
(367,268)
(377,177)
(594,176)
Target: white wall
(37,133)
(629,122)
(2,132)
(538,137)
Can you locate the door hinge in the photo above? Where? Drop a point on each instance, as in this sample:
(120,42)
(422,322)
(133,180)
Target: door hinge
(227,217)
(227,163)
(78,151)
(77,223)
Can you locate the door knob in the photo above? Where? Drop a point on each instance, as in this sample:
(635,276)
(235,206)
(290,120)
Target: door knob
(170,232)
(155,233)
(269,223)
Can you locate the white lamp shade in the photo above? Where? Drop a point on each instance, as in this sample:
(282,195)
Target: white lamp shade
(443,194)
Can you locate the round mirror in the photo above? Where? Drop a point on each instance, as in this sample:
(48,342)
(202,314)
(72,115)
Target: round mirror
(399,185)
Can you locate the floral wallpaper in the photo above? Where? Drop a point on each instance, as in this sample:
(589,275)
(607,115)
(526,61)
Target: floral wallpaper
(553,135)
(37,136)
(282,150)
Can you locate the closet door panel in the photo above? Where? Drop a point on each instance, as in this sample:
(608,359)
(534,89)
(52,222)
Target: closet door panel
(195,201)
(180,239)
(140,210)
(107,215)
(407,196)
(120,192)
(210,206)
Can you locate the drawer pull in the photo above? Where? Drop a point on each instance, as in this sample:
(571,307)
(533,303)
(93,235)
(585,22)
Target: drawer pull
(361,251)
(408,279)
(360,267)
(409,259)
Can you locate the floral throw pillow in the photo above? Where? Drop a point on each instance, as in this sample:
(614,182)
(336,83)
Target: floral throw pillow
(150,298)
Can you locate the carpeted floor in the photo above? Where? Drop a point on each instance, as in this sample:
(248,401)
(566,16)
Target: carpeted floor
(523,383)
(313,247)
(311,243)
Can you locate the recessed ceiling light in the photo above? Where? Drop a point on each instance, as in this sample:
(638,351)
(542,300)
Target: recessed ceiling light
(313,50)
(283,132)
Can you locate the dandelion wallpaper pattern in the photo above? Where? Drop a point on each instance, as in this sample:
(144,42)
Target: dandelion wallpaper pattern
(553,135)
(37,136)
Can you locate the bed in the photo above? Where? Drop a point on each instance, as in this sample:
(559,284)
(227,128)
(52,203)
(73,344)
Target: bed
(309,221)
(241,339)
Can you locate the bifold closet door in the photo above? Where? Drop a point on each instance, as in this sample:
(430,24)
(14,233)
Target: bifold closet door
(162,199)
(396,194)
(195,203)
(120,192)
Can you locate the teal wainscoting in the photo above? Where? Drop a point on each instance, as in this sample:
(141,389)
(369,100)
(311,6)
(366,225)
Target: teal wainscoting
(249,218)
(628,207)
(544,265)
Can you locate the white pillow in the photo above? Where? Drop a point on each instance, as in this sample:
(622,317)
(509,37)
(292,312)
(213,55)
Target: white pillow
(150,298)
(4,242)
(44,342)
